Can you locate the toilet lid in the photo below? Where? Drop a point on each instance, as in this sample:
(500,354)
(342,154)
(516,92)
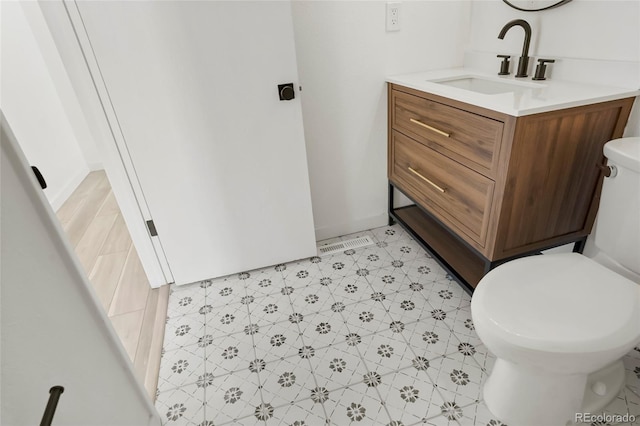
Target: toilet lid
(562,302)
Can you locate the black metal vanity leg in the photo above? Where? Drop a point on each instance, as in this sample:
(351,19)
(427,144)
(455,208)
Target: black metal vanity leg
(578,246)
(488,265)
(390,206)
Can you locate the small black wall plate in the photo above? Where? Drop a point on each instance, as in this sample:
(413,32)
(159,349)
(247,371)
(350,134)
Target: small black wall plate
(286,92)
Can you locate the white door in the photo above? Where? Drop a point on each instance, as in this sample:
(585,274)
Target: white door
(220,159)
(53,327)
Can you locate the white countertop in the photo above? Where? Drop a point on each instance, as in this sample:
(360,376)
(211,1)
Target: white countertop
(523,97)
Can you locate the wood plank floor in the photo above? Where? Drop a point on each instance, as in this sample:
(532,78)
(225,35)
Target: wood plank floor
(97,231)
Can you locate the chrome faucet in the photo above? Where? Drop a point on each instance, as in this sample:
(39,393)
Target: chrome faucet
(523,62)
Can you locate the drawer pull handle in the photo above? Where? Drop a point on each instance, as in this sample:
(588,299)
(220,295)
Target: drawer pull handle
(426,126)
(427,180)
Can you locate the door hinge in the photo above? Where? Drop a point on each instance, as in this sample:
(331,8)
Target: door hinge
(152,228)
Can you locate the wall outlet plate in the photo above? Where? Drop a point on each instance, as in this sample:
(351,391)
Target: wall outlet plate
(393,16)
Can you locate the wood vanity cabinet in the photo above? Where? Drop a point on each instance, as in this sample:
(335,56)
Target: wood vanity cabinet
(488,186)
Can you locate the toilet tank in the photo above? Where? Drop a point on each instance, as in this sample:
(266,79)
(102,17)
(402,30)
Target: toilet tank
(617,232)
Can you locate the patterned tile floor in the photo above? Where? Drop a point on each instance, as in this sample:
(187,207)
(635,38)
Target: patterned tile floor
(373,336)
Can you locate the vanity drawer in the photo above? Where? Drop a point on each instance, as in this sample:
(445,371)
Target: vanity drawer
(468,138)
(455,194)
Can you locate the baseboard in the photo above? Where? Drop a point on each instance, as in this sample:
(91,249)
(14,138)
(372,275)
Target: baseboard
(155,350)
(58,199)
(351,227)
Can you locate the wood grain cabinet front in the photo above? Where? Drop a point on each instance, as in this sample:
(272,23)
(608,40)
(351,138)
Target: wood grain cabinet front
(468,138)
(495,185)
(455,194)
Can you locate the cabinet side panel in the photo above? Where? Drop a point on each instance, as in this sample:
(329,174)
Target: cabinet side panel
(554,176)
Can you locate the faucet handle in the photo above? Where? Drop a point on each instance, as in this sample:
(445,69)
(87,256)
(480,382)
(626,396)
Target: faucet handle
(504,65)
(541,68)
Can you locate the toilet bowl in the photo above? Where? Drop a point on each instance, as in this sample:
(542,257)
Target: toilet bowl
(559,324)
(551,321)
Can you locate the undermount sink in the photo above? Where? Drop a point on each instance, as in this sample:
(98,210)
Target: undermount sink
(486,86)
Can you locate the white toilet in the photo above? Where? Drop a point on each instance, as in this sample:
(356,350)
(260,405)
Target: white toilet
(559,324)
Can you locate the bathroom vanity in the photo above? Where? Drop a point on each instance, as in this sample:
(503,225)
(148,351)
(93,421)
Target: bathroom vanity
(497,168)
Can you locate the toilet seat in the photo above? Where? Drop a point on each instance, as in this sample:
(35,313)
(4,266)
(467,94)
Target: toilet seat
(560,303)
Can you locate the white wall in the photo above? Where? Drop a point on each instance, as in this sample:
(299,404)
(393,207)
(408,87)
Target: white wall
(587,29)
(32,103)
(64,87)
(344,55)
(581,30)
